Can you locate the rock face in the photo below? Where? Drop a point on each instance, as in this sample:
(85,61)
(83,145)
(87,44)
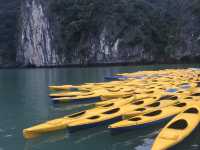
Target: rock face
(63,32)
(136,31)
(9,12)
(35,46)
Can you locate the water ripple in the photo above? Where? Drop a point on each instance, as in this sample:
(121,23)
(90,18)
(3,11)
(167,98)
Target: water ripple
(146,144)
(8,135)
(1,131)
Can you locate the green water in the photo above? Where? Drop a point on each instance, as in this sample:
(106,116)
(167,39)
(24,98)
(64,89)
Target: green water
(24,102)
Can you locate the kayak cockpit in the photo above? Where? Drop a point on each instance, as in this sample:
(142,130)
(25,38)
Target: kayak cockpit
(178,125)
(112,111)
(180,105)
(135,119)
(192,111)
(93,117)
(140,109)
(154,113)
(168,97)
(155,104)
(138,103)
(196,94)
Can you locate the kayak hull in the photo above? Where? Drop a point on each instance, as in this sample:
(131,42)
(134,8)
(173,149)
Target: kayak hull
(146,125)
(178,128)
(78,101)
(73,129)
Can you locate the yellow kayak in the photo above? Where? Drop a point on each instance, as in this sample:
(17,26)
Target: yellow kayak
(69,94)
(90,97)
(149,108)
(62,123)
(114,114)
(149,118)
(178,128)
(61,87)
(115,102)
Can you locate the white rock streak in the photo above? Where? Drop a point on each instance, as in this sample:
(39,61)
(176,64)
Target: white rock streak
(35,41)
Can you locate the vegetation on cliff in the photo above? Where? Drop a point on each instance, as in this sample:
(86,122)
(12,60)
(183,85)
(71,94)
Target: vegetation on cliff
(160,31)
(109,31)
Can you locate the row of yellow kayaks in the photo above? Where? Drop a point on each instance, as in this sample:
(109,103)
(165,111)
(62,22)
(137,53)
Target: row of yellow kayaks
(155,80)
(162,75)
(140,100)
(106,112)
(125,91)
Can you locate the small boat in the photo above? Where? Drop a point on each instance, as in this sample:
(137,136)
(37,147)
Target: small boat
(69,94)
(114,114)
(149,108)
(60,87)
(178,128)
(77,99)
(61,123)
(150,118)
(91,96)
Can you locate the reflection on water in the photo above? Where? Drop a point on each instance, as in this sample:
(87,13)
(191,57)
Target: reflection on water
(36,143)
(24,102)
(147,141)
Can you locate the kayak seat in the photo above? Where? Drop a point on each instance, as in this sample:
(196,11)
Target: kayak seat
(154,113)
(180,105)
(168,97)
(112,111)
(108,105)
(196,94)
(77,114)
(179,124)
(140,109)
(156,104)
(169,136)
(149,92)
(135,119)
(136,93)
(93,117)
(138,103)
(127,96)
(151,87)
(189,97)
(192,110)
